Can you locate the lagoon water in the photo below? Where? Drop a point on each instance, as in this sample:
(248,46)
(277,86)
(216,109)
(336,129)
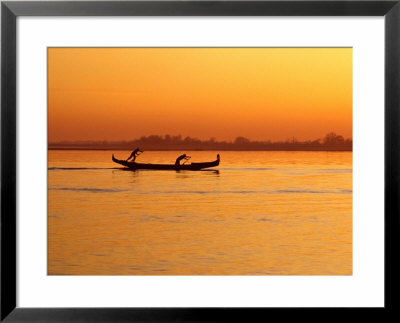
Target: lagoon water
(261,213)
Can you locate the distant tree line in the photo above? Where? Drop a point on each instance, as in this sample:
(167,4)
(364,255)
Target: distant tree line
(331,142)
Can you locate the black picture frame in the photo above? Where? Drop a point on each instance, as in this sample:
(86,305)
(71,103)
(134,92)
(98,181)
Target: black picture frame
(10,10)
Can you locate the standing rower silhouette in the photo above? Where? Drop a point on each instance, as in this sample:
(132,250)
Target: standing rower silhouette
(134,154)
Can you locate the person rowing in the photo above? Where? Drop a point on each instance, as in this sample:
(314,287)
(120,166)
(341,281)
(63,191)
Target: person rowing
(181,157)
(134,154)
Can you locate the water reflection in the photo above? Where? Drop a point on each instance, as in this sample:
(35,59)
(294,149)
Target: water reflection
(270,213)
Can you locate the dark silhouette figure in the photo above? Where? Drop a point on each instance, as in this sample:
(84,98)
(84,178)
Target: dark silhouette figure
(134,154)
(181,157)
(177,166)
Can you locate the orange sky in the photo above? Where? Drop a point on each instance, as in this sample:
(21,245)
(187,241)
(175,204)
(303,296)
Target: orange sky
(259,93)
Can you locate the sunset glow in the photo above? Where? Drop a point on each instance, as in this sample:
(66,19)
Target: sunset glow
(259,93)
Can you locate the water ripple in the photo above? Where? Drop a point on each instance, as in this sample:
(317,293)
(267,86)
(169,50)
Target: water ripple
(87,189)
(203,192)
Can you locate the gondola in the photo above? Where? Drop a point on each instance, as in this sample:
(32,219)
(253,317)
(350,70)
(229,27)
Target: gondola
(192,166)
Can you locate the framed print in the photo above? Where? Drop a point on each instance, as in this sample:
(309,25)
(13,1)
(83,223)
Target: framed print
(198,160)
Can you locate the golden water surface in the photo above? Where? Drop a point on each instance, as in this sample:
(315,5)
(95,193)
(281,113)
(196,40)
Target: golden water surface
(261,213)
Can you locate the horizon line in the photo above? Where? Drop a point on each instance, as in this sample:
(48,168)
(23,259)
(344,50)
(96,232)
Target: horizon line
(179,137)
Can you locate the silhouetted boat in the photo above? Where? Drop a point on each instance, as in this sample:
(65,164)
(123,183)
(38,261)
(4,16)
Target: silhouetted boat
(192,166)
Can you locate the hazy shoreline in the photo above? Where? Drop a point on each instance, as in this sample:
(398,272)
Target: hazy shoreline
(193,149)
(331,142)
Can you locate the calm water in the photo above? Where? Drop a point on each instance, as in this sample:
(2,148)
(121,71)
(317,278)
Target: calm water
(261,213)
